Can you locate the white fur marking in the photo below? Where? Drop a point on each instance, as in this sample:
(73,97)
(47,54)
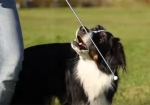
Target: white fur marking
(94,82)
(101,100)
(100,31)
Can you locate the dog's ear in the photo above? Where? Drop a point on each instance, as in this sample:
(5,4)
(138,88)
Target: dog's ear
(116,56)
(98,27)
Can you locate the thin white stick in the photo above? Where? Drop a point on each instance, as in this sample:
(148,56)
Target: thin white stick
(115,77)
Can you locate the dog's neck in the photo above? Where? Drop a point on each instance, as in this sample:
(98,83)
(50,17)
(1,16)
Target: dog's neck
(94,82)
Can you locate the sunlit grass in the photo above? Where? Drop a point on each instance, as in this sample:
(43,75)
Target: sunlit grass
(132,25)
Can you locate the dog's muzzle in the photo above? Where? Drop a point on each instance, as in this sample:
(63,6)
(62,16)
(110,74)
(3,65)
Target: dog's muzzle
(81,38)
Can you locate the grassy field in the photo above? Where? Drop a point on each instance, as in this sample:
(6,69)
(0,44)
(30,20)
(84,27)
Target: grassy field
(131,24)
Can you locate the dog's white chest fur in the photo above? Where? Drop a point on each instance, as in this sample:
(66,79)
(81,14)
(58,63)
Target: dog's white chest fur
(94,82)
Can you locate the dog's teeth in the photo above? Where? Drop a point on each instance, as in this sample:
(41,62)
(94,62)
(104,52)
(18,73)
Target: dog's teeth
(80,43)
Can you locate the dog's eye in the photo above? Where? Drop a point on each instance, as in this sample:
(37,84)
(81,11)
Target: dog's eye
(102,40)
(102,37)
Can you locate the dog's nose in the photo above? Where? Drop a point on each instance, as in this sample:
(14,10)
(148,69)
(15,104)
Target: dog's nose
(84,29)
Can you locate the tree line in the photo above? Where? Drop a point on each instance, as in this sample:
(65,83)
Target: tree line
(75,3)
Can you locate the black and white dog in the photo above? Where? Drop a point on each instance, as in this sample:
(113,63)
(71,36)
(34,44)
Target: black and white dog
(75,73)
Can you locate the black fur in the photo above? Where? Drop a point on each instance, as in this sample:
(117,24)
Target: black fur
(49,71)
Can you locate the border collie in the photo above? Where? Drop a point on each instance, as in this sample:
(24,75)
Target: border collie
(74,72)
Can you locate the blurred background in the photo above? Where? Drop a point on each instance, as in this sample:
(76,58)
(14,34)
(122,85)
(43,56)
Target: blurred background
(50,21)
(76,3)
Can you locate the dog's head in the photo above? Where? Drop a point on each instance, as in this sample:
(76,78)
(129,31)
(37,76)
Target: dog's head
(109,46)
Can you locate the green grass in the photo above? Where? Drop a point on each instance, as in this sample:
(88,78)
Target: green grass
(131,24)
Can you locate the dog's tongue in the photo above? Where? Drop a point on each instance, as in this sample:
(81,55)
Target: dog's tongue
(81,43)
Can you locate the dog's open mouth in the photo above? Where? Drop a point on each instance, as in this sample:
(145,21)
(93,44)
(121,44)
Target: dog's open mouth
(79,43)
